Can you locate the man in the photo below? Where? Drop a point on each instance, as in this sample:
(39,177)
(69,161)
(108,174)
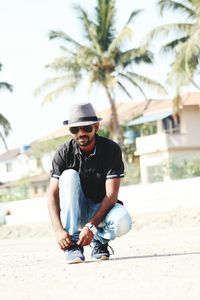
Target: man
(83,191)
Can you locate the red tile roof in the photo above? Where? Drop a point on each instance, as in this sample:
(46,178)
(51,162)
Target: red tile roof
(130,110)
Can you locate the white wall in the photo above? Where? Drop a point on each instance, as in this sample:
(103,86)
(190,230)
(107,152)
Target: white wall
(16,173)
(47,162)
(190,125)
(23,165)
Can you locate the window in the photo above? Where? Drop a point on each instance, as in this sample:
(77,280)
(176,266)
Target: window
(44,188)
(171,124)
(38,162)
(8,167)
(35,189)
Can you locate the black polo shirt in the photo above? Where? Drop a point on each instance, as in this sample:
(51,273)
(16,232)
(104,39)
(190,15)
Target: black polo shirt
(105,163)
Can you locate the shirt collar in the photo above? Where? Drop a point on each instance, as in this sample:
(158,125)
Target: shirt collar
(78,151)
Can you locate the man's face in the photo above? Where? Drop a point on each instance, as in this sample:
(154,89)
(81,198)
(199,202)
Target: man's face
(84,135)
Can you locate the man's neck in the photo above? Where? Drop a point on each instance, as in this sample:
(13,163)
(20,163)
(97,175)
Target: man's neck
(88,149)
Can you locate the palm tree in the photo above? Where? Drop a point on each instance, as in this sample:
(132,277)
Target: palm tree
(184,45)
(4,123)
(5,129)
(102,59)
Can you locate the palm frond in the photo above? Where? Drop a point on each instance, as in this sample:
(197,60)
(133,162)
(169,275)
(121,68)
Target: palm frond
(178,77)
(119,41)
(5,85)
(133,82)
(133,15)
(150,83)
(89,28)
(83,51)
(184,43)
(5,125)
(68,64)
(171,46)
(192,52)
(72,85)
(61,64)
(51,82)
(146,57)
(136,55)
(99,30)
(63,36)
(124,89)
(67,51)
(105,21)
(124,35)
(186,61)
(86,23)
(2,138)
(175,29)
(166,5)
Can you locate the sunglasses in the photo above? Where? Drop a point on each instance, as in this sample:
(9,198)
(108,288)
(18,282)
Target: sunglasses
(87,128)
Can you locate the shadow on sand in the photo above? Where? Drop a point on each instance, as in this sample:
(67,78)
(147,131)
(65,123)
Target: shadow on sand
(146,256)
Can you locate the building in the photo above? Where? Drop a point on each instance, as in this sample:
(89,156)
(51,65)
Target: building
(175,141)
(23,174)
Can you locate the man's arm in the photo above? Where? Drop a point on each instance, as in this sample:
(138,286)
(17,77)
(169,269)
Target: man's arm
(63,238)
(112,190)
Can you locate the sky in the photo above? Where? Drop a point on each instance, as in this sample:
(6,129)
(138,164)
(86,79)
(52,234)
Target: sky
(25,49)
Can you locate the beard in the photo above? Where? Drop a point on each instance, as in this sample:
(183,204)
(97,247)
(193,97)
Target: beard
(84,140)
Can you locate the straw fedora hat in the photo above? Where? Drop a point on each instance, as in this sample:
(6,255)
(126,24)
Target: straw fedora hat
(81,114)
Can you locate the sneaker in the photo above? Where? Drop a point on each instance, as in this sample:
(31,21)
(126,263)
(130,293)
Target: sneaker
(74,255)
(100,251)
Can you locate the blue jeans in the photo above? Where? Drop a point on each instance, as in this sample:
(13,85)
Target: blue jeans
(77,210)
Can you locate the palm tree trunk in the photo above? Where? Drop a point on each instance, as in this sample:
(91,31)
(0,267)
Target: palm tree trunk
(117,128)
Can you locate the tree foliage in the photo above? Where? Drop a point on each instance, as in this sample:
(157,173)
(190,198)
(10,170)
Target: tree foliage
(183,42)
(5,126)
(102,58)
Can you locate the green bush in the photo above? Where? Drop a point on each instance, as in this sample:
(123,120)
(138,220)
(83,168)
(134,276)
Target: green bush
(18,192)
(174,169)
(156,173)
(132,174)
(184,169)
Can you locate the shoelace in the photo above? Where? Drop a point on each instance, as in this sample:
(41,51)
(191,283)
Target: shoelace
(112,250)
(72,249)
(98,245)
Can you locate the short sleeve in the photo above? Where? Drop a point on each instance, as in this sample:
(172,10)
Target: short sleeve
(58,164)
(116,165)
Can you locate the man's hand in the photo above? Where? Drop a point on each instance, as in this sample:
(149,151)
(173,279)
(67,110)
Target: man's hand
(64,239)
(85,237)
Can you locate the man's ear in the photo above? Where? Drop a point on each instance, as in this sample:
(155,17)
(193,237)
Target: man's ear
(96,126)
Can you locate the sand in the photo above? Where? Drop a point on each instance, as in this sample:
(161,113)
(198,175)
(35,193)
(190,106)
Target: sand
(158,259)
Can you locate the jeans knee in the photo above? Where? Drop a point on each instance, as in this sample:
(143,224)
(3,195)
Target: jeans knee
(68,176)
(123,225)
(69,173)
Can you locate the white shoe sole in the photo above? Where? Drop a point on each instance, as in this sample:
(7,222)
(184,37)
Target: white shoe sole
(103,257)
(76,260)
